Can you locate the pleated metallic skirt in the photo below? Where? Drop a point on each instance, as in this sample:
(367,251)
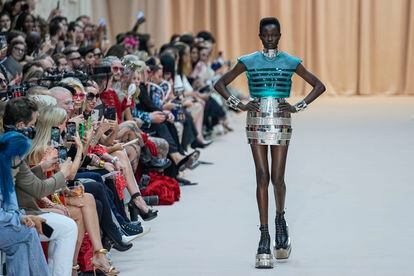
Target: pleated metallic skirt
(269,126)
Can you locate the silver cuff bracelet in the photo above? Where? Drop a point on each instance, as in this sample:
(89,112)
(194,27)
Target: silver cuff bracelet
(233,102)
(300,106)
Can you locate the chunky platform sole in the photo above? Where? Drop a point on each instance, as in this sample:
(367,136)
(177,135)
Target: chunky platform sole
(264,261)
(282,253)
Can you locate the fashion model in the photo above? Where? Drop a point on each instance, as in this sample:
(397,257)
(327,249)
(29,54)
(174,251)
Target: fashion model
(269,74)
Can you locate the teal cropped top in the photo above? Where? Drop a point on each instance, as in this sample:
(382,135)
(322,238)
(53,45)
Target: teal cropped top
(269,77)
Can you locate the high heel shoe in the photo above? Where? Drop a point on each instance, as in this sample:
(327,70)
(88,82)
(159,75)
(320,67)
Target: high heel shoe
(107,270)
(188,161)
(134,211)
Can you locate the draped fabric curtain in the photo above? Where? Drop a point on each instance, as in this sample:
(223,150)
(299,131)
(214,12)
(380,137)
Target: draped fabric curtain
(356,47)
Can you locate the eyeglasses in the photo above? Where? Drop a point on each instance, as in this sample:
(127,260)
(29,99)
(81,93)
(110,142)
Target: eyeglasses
(92,96)
(117,68)
(21,50)
(16,165)
(98,55)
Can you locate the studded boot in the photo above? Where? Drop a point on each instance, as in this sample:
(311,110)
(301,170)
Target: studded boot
(264,255)
(282,241)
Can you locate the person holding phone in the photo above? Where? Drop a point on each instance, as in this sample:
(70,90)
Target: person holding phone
(18,237)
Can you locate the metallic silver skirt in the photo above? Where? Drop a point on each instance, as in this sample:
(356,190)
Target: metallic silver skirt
(269,126)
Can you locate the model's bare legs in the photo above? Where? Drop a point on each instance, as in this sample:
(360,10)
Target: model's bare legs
(279,154)
(262,179)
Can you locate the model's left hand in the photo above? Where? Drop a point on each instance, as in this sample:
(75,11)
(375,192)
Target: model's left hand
(287,107)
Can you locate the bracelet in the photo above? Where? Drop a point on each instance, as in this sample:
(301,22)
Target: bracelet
(300,106)
(101,163)
(233,102)
(114,160)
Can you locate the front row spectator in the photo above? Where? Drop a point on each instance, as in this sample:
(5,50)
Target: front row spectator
(18,237)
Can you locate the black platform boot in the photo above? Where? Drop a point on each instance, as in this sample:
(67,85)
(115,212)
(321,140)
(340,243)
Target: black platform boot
(282,241)
(264,255)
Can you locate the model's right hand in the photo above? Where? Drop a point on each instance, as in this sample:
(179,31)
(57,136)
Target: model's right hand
(250,106)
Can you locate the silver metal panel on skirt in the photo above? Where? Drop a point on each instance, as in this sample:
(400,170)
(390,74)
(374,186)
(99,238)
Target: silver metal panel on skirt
(269,126)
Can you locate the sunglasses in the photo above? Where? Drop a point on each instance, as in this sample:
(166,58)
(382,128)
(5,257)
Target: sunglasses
(79,96)
(92,96)
(118,68)
(16,165)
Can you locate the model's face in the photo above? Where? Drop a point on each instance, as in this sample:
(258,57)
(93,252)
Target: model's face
(270,36)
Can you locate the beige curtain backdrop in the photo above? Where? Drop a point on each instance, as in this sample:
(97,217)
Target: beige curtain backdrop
(360,47)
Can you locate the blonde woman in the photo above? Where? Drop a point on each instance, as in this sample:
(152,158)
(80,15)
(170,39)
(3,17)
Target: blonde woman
(83,208)
(79,95)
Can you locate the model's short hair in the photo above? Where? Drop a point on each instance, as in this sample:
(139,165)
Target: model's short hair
(269,21)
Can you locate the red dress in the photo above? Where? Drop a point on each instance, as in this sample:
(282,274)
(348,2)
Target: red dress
(110,99)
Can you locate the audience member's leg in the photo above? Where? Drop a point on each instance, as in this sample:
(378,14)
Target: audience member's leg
(24,255)
(61,244)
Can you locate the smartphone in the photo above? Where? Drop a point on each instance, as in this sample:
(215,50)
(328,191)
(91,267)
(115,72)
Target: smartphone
(70,131)
(62,154)
(110,113)
(55,136)
(95,115)
(58,5)
(47,229)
